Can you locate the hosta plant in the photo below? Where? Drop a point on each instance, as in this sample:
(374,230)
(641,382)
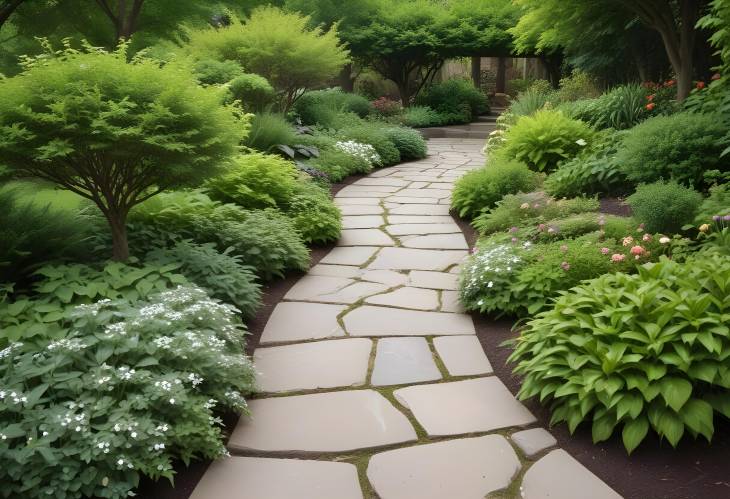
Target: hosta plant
(135,387)
(635,353)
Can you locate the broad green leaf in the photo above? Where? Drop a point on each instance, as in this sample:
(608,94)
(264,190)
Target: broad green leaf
(634,433)
(675,391)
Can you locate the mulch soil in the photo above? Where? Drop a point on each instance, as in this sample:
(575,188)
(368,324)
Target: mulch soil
(694,470)
(186,478)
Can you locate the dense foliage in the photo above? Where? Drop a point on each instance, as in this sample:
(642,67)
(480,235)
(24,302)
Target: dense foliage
(456,100)
(664,207)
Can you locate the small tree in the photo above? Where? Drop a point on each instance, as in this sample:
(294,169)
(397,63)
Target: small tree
(113,131)
(277,45)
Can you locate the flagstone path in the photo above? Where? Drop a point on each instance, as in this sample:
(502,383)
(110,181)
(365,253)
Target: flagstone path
(374,384)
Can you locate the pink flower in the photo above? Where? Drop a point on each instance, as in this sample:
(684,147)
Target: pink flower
(565,266)
(618,257)
(474,251)
(605,251)
(628,241)
(514,239)
(563,248)
(513,229)
(637,251)
(541,227)
(646,238)
(640,228)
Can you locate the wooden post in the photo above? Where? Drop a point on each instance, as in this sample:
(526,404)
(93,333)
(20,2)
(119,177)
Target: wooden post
(476,71)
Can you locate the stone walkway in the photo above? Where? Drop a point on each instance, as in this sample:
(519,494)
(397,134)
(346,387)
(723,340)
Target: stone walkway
(373,382)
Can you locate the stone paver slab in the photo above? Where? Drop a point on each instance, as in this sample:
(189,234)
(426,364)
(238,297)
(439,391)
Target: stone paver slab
(349,255)
(365,237)
(355,188)
(420,219)
(348,271)
(403,360)
(468,468)
(450,302)
(382,321)
(462,355)
(411,200)
(419,209)
(332,289)
(382,181)
(374,201)
(389,277)
(323,422)
(413,298)
(309,366)
(265,478)
(415,259)
(408,229)
(534,441)
(436,241)
(362,222)
(286,324)
(433,280)
(558,475)
(425,193)
(484,404)
(361,209)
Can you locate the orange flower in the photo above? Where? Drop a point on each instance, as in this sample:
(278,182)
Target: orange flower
(700,85)
(670,83)
(650,98)
(650,106)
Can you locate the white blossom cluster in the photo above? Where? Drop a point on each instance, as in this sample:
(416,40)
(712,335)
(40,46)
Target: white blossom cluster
(486,262)
(360,150)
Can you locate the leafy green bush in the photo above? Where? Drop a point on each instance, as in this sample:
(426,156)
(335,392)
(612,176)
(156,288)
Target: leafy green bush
(255,181)
(149,127)
(253,91)
(338,164)
(214,72)
(221,274)
(61,286)
(682,147)
(717,204)
(664,207)
(33,235)
(640,352)
(269,130)
(528,103)
(594,172)
(409,142)
(456,100)
(530,208)
(134,388)
(545,139)
(371,133)
(264,239)
(579,85)
(480,189)
(621,108)
(319,107)
(314,214)
(422,117)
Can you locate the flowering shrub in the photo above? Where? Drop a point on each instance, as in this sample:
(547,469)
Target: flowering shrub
(387,107)
(530,209)
(410,143)
(338,164)
(88,414)
(360,150)
(660,97)
(480,189)
(635,352)
(545,139)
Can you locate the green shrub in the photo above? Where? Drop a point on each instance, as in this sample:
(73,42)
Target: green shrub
(320,107)
(530,209)
(579,85)
(480,189)
(214,72)
(255,181)
(422,117)
(681,147)
(409,142)
(62,286)
(717,204)
(253,91)
(635,352)
(269,130)
(371,133)
(135,388)
(528,103)
(545,139)
(314,214)
(264,239)
(594,172)
(456,100)
(150,127)
(32,235)
(621,108)
(338,164)
(221,274)
(664,207)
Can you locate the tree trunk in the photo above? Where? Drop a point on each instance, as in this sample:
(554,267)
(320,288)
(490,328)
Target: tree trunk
(476,71)
(345,79)
(120,246)
(501,84)
(404,91)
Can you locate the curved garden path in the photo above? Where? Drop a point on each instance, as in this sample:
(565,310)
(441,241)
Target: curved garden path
(374,382)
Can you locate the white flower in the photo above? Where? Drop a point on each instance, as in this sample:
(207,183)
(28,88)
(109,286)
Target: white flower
(581,142)
(172,401)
